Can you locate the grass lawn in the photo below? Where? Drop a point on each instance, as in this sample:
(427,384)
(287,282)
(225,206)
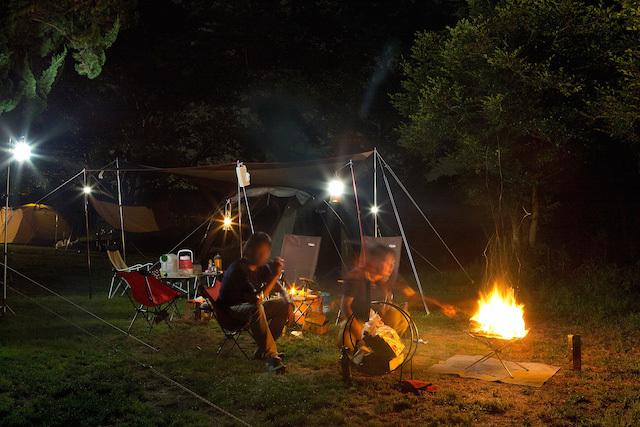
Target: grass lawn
(53,373)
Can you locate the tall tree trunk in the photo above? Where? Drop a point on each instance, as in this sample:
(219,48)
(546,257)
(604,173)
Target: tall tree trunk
(535,212)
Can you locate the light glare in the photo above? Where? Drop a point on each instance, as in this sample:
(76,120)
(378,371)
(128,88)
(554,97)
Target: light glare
(374,209)
(87,190)
(22,152)
(336,187)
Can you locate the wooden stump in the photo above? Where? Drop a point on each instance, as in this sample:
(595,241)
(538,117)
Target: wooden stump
(575,351)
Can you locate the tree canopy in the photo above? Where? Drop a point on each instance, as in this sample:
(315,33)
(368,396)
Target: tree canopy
(508,98)
(38,35)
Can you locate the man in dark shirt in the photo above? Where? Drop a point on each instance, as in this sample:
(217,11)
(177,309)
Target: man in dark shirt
(370,283)
(244,285)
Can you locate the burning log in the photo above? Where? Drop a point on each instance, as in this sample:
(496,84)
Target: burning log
(499,315)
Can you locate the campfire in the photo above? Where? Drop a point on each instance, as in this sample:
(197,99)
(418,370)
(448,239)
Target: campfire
(499,315)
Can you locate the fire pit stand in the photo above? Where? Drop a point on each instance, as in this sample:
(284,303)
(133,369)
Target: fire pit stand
(496,348)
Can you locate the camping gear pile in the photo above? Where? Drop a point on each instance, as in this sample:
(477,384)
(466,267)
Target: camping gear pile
(382,349)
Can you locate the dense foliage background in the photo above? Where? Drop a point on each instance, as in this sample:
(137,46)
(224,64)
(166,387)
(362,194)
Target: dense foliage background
(522,113)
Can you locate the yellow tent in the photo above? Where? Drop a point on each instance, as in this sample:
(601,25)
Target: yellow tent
(33,223)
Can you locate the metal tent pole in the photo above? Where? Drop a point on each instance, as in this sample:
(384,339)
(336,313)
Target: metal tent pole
(86,221)
(404,239)
(6,244)
(124,249)
(375,192)
(363,258)
(401,185)
(239,211)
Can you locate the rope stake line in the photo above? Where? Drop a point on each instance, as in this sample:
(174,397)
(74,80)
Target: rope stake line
(80,307)
(130,357)
(386,165)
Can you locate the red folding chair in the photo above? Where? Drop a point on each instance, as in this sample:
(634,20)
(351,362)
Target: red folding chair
(231,327)
(154,297)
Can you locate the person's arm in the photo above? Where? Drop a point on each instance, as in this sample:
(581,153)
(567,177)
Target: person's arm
(276,267)
(447,309)
(346,313)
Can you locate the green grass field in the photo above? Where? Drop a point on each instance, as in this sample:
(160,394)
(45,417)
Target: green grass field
(52,373)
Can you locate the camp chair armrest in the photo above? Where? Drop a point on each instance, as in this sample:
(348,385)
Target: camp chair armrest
(136,267)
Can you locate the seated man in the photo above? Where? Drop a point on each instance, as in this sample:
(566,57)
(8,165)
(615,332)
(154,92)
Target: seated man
(244,285)
(370,283)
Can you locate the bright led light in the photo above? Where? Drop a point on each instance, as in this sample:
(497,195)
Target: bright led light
(22,152)
(335,191)
(87,190)
(374,209)
(336,187)
(226,223)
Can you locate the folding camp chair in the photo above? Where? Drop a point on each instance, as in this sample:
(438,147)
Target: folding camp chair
(231,327)
(155,298)
(118,265)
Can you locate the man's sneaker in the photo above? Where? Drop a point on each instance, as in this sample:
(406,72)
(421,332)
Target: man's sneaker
(259,355)
(274,364)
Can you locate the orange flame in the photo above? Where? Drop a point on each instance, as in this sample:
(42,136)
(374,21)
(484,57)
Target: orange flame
(499,314)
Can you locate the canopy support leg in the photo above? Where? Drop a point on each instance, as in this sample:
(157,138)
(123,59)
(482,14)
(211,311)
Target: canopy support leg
(86,221)
(404,240)
(124,248)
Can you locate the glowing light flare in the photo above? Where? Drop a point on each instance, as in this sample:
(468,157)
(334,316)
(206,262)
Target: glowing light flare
(374,209)
(87,190)
(499,314)
(226,223)
(336,188)
(22,152)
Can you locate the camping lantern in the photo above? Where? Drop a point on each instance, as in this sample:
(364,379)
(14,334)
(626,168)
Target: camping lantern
(335,191)
(226,219)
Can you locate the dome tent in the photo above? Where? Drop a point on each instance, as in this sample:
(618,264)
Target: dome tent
(33,223)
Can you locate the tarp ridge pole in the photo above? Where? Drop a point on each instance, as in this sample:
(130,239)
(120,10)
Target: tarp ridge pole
(386,165)
(124,249)
(363,258)
(404,240)
(86,221)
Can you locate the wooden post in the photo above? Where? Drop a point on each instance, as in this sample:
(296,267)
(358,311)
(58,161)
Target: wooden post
(575,351)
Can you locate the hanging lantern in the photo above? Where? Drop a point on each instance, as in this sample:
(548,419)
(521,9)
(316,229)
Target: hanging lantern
(226,219)
(336,188)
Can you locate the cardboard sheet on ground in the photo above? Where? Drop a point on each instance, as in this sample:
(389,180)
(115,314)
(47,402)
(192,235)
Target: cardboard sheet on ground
(492,370)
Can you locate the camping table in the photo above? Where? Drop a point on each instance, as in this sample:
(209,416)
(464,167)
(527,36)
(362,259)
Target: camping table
(302,305)
(177,282)
(212,277)
(496,345)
